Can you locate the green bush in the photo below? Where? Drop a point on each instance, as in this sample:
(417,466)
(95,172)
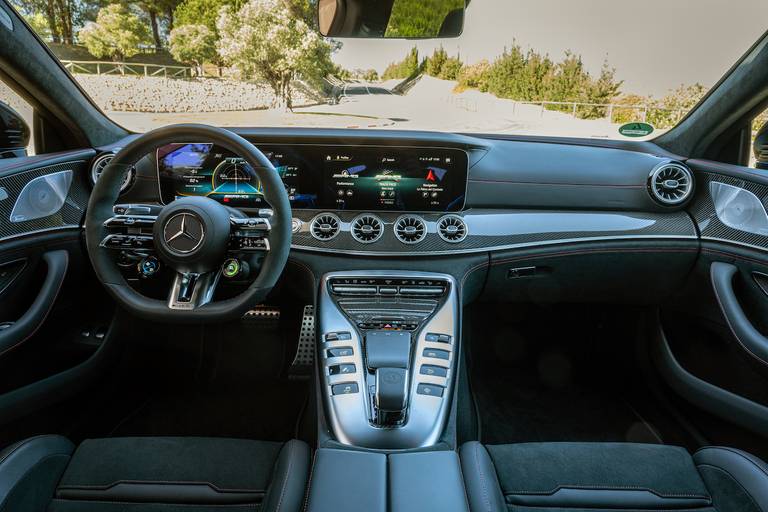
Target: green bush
(403,69)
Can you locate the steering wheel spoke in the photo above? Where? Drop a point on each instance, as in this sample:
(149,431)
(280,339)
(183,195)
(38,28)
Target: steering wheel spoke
(191,290)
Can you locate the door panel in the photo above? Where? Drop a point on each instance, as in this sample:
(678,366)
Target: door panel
(712,348)
(53,313)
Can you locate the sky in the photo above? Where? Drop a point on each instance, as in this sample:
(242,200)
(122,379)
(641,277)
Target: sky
(655,45)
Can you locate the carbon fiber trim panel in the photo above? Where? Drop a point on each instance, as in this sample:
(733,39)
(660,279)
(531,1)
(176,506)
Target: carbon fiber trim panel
(496,230)
(710,227)
(69,216)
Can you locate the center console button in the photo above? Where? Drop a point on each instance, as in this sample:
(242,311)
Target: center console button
(346,388)
(437,354)
(430,389)
(436,371)
(341,369)
(338,336)
(388,290)
(340,352)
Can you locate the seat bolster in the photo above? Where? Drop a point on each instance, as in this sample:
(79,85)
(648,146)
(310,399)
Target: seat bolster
(483,489)
(32,467)
(289,481)
(747,470)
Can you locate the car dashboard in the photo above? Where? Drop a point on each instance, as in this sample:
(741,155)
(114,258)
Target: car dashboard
(422,193)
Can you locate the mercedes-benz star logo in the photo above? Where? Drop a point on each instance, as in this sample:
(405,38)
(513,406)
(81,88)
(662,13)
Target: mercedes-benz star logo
(183,232)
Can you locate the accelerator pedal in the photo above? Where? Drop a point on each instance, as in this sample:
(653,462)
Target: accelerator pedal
(305,350)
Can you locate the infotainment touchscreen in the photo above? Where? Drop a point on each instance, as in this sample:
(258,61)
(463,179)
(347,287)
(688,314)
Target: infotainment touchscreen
(395,178)
(320,177)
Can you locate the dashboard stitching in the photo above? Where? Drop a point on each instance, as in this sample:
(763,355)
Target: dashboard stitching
(557,184)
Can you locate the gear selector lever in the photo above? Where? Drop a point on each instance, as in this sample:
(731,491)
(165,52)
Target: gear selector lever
(388,355)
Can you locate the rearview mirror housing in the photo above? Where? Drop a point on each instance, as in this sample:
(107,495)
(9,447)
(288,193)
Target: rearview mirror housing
(14,133)
(391,19)
(761,148)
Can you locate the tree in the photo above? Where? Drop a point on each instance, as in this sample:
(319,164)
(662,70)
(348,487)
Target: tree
(451,68)
(263,39)
(200,12)
(59,16)
(435,62)
(194,44)
(474,76)
(405,68)
(39,24)
(116,33)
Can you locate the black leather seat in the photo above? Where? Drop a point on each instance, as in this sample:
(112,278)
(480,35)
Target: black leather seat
(580,477)
(153,474)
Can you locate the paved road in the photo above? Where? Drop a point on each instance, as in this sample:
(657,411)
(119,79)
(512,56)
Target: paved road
(350,90)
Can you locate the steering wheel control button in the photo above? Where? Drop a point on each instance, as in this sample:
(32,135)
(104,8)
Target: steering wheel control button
(148,267)
(338,336)
(231,268)
(342,369)
(435,371)
(252,224)
(346,388)
(183,233)
(430,390)
(340,352)
(437,354)
(251,243)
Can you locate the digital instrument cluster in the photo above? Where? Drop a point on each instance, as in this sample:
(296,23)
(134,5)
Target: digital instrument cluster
(320,177)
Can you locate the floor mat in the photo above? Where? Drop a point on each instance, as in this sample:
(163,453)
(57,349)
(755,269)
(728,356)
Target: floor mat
(519,408)
(268,412)
(545,374)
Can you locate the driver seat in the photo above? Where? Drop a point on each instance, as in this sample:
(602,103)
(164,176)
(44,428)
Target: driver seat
(153,474)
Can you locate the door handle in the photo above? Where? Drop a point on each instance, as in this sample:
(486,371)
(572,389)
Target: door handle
(745,333)
(20,331)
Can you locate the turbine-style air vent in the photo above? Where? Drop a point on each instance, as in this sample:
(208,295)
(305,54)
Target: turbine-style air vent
(101,162)
(410,229)
(325,226)
(670,183)
(452,228)
(367,228)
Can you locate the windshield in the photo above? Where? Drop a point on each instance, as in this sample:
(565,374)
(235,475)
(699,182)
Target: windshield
(583,68)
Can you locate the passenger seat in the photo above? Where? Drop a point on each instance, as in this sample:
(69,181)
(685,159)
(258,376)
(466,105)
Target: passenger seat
(620,477)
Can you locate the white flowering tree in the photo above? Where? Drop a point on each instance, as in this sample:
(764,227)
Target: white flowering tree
(266,40)
(194,44)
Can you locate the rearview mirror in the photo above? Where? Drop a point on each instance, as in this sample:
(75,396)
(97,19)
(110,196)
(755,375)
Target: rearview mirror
(403,19)
(14,133)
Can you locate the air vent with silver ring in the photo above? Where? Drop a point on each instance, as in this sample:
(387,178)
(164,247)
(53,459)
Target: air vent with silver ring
(670,183)
(325,226)
(101,162)
(452,228)
(367,228)
(410,229)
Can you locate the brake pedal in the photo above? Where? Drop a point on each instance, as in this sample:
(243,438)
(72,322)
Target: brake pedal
(305,350)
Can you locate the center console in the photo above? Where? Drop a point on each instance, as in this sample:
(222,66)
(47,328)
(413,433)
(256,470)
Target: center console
(388,345)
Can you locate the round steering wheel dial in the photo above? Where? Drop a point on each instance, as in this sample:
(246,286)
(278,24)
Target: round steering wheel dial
(191,235)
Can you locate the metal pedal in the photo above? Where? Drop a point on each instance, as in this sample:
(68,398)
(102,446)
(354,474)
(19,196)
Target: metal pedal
(262,315)
(305,351)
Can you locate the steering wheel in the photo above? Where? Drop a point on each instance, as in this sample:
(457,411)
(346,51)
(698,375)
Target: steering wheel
(191,235)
